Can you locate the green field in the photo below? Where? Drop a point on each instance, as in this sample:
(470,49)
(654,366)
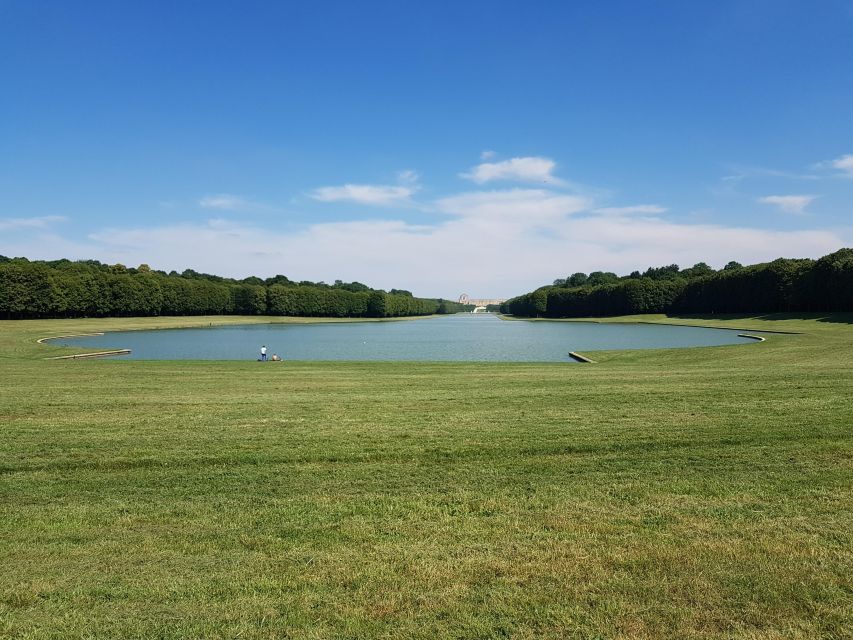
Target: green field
(694,493)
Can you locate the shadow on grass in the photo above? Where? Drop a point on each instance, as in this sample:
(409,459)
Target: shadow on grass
(841,318)
(845,318)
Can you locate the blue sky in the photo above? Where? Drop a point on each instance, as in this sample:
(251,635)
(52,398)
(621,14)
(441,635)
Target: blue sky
(488,147)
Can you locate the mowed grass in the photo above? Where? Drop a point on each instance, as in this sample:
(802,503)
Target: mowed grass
(694,493)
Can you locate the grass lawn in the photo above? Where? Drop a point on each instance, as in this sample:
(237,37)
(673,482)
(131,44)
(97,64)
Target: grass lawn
(693,493)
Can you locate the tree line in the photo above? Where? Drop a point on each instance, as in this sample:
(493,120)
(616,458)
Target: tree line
(783,285)
(88,288)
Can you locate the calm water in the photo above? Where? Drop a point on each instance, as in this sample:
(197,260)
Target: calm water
(471,337)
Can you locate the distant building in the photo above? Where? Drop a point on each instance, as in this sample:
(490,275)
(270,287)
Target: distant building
(479,302)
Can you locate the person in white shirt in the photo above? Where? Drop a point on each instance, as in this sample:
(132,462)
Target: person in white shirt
(264,353)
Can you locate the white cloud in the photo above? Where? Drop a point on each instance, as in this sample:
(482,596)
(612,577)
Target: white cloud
(789,204)
(38,222)
(488,154)
(382,195)
(637,208)
(408,176)
(522,205)
(844,164)
(527,169)
(475,251)
(492,243)
(236,204)
(224,202)
(378,195)
(741,172)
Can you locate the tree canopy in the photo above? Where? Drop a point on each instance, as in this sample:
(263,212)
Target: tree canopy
(783,285)
(66,289)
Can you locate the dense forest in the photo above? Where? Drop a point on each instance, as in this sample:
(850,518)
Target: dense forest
(784,285)
(66,289)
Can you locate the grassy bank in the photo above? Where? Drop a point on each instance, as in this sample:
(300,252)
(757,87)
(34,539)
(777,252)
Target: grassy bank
(689,493)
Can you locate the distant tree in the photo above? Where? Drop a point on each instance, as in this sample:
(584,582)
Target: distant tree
(278,279)
(560,282)
(733,265)
(540,301)
(250,299)
(577,279)
(697,271)
(779,286)
(830,283)
(29,290)
(662,273)
(354,287)
(377,305)
(597,278)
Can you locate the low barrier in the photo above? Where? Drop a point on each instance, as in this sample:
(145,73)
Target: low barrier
(97,354)
(747,335)
(576,356)
(71,335)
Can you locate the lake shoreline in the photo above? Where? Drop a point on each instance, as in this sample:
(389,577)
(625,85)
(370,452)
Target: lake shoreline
(449,338)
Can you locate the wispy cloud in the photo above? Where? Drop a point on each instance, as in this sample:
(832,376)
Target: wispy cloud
(223,202)
(408,176)
(38,222)
(488,154)
(789,204)
(380,195)
(740,172)
(844,164)
(651,209)
(370,194)
(236,204)
(526,169)
(522,205)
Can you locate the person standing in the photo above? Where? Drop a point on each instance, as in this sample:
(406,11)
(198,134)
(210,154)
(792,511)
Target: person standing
(264,353)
